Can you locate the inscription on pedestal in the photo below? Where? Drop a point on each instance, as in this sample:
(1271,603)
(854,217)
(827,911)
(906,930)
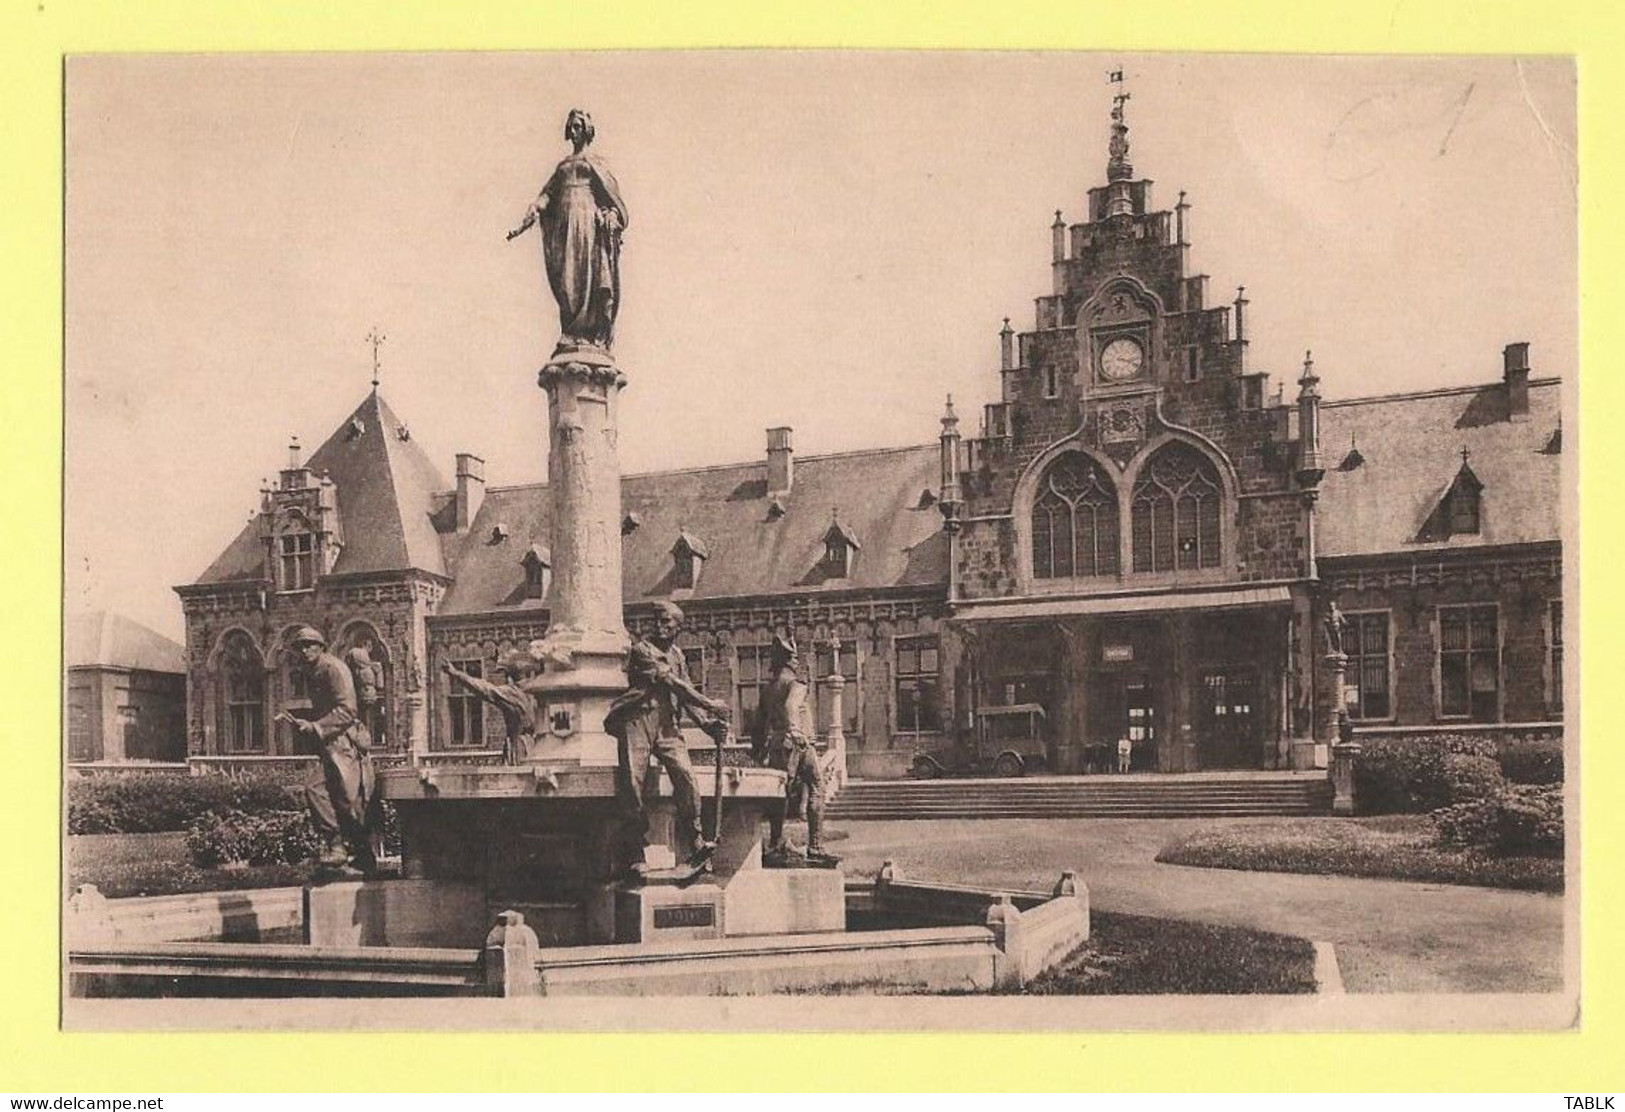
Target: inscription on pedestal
(690,915)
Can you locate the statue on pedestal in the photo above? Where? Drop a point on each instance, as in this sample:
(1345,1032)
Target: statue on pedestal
(782,738)
(513,702)
(647,721)
(1336,626)
(581,215)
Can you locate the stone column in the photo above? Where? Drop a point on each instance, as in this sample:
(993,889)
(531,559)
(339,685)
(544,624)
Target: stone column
(584,652)
(1337,732)
(835,755)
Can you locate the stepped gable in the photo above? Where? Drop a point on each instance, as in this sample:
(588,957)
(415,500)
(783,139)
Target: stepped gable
(751,548)
(108,640)
(388,491)
(1408,452)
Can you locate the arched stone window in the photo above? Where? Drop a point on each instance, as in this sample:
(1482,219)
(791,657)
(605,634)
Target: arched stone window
(241,701)
(1075,521)
(1177,508)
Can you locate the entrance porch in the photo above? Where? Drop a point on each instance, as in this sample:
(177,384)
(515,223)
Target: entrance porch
(1196,682)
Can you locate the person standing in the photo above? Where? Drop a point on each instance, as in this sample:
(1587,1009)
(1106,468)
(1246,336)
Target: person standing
(647,721)
(782,738)
(1125,753)
(342,803)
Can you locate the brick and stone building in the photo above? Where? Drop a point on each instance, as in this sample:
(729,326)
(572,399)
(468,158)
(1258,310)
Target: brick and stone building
(126,692)
(1140,539)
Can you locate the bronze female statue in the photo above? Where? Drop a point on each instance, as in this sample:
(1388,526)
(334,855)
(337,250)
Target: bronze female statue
(581,216)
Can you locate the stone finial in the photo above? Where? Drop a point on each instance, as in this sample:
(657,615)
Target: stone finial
(889,873)
(1067,885)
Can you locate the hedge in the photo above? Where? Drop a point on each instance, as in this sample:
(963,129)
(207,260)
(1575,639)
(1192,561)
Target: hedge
(162,804)
(1532,760)
(265,838)
(1521,819)
(1424,772)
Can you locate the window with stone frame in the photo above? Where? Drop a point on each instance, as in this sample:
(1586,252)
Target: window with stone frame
(1369,648)
(752,669)
(694,665)
(827,658)
(242,696)
(1554,655)
(915,672)
(296,556)
(1469,649)
(465,709)
(1075,521)
(1177,511)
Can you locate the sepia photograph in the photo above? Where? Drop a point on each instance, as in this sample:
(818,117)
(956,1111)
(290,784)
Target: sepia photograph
(776,540)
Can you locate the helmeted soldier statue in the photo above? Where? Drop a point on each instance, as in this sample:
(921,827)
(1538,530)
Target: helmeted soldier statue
(343,805)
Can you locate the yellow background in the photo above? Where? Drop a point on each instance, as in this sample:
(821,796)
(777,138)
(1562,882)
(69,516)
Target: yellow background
(36,1056)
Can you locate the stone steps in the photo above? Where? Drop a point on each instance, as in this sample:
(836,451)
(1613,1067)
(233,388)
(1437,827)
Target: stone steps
(885,800)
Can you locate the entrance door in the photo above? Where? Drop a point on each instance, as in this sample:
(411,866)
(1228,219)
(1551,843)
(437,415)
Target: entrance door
(1122,706)
(1227,715)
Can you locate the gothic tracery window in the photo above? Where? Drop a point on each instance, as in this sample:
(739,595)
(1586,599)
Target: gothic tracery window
(1177,510)
(1075,521)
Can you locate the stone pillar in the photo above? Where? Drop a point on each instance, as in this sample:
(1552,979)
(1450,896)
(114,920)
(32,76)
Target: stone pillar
(1345,754)
(1331,720)
(584,652)
(835,755)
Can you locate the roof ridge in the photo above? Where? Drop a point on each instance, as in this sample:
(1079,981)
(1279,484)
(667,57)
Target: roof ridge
(1439,392)
(704,468)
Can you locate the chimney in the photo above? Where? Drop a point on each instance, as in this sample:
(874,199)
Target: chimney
(1007,347)
(470,489)
(296,453)
(1515,370)
(781,462)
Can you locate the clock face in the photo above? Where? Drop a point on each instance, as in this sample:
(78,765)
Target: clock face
(1121,359)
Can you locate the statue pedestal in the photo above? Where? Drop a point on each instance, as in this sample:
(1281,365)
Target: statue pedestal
(541,839)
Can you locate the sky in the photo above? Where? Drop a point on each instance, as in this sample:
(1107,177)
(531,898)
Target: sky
(828,241)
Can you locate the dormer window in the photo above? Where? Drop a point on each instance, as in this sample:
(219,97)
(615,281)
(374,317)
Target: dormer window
(1463,501)
(538,564)
(840,547)
(688,558)
(296,555)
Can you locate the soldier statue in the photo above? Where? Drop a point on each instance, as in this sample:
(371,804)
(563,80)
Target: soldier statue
(344,804)
(782,738)
(647,722)
(513,702)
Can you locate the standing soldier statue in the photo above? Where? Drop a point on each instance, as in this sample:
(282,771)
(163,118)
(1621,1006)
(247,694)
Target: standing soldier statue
(513,702)
(782,738)
(343,805)
(368,675)
(647,721)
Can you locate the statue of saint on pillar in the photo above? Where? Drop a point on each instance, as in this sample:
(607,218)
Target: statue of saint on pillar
(582,216)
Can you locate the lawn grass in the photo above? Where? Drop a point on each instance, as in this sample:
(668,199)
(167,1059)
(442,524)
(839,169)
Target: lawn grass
(157,865)
(1394,847)
(1138,955)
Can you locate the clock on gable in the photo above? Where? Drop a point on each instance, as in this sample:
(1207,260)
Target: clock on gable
(1121,360)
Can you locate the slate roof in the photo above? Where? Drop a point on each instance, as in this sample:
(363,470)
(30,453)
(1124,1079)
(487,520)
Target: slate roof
(748,550)
(388,493)
(110,640)
(1410,451)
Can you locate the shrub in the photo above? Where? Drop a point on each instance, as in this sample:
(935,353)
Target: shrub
(1423,772)
(159,804)
(1519,820)
(1532,760)
(263,838)
(1466,778)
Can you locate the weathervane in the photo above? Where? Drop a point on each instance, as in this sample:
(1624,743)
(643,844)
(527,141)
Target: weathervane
(375,338)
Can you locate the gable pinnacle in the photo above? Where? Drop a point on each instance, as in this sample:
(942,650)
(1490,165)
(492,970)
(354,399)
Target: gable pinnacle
(1118,167)
(375,338)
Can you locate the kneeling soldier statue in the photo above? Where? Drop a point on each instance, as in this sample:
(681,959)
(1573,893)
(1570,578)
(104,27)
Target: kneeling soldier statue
(343,804)
(783,739)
